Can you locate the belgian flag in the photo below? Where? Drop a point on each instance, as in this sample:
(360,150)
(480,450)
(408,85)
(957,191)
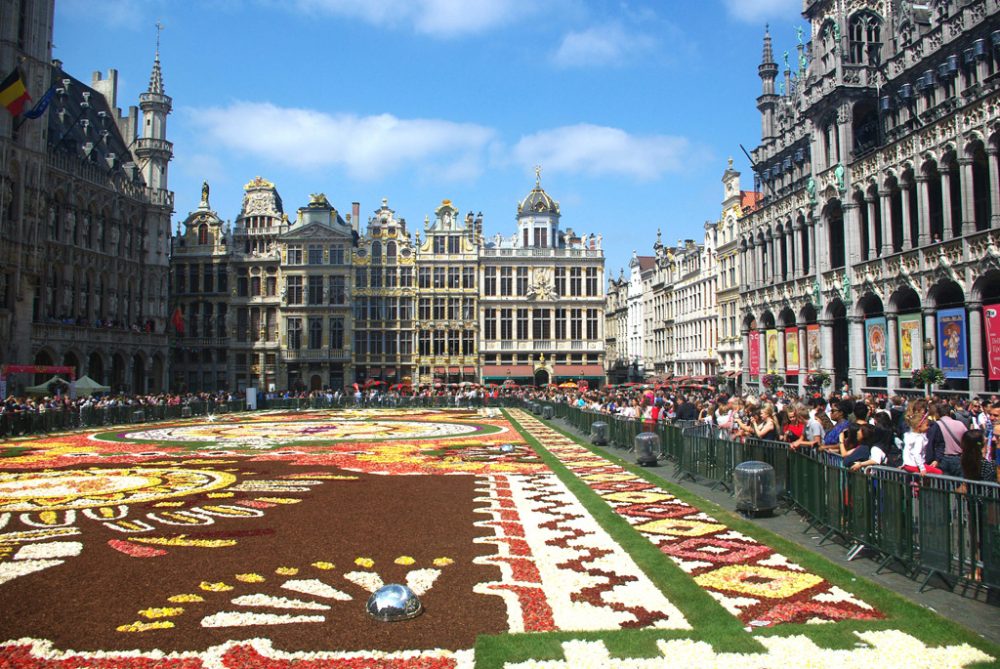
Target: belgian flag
(13,95)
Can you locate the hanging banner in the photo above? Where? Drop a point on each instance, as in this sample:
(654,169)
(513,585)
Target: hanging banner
(911,344)
(876,359)
(754,345)
(771,351)
(814,352)
(952,343)
(792,351)
(991,323)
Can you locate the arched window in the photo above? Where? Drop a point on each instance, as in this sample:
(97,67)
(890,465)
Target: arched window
(203,234)
(865,36)
(390,252)
(376,252)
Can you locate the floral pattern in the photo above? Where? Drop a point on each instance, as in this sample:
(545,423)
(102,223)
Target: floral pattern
(749,579)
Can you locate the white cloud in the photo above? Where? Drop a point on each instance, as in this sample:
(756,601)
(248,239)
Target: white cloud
(438,18)
(610,44)
(756,11)
(599,150)
(368,147)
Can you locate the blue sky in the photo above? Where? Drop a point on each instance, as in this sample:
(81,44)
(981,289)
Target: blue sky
(631,108)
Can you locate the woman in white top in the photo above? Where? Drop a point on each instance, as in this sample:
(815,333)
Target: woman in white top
(915,439)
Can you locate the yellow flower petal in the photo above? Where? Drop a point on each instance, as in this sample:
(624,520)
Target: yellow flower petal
(287,571)
(250,578)
(183,599)
(367,563)
(215,587)
(140,626)
(443,561)
(404,560)
(326,566)
(164,612)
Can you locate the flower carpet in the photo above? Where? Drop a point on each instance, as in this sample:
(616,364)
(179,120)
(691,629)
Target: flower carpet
(255,540)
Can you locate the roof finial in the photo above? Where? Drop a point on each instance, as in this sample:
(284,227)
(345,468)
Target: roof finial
(156,77)
(538,176)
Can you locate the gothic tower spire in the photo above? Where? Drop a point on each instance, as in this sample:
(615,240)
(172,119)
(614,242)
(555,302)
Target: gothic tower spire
(768,71)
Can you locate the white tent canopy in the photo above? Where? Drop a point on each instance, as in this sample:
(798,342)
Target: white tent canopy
(87,386)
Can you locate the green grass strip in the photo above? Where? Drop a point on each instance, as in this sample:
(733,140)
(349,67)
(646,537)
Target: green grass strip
(900,613)
(710,621)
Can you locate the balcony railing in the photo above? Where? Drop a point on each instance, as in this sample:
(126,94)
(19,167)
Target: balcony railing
(316,355)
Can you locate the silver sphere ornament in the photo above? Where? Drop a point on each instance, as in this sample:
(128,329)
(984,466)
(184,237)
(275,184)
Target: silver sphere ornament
(393,602)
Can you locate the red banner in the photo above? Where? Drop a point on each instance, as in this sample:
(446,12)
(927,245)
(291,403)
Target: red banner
(991,323)
(754,344)
(37,369)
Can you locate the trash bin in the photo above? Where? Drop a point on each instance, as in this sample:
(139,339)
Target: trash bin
(754,488)
(647,448)
(139,416)
(185,412)
(547,412)
(599,433)
(536,408)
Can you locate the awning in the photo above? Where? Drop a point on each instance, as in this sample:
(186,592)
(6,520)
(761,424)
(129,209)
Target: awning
(578,370)
(469,370)
(454,370)
(439,370)
(390,371)
(508,370)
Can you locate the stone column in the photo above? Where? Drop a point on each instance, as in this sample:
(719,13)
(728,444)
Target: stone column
(813,251)
(946,222)
(803,358)
(977,379)
(892,351)
(994,165)
(796,251)
(968,192)
(885,202)
(856,353)
(907,237)
(923,211)
(873,249)
(930,333)
(852,236)
(826,346)
(772,260)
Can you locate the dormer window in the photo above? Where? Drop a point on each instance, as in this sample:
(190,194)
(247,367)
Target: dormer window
(203,234)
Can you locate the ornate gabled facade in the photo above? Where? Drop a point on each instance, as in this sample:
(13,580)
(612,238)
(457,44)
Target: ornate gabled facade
(542,300)
(879,166)
(384,296)
(636,338)
(266,304)
(447,325)
(691,271)
(84,218)
(616,331)
(735,204)
(199,266)
(260,288)
(316,324)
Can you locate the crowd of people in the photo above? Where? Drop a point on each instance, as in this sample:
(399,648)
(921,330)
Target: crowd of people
(926,435)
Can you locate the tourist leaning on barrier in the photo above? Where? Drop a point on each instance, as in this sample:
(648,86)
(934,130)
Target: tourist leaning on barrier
(812,435)
(974,466)
(915,440)
(944,440)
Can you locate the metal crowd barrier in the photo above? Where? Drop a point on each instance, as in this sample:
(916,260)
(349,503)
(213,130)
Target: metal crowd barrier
(931,525)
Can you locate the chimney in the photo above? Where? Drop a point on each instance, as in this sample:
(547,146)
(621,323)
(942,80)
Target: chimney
(356,216)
